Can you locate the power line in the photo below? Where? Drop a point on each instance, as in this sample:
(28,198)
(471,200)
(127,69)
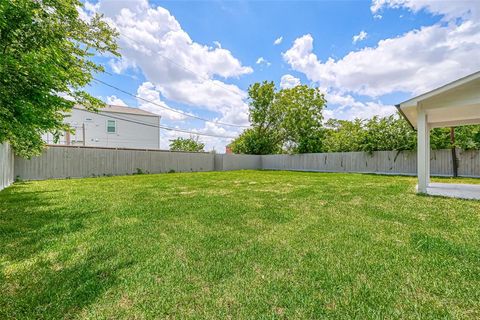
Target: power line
(185,68)
(166,127)
(168,108)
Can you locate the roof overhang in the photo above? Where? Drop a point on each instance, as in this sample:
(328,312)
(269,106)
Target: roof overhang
(454,104)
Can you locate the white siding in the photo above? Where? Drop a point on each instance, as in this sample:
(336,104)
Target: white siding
(128,134)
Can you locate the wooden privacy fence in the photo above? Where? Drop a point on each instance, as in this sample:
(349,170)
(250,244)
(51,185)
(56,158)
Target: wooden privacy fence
(73,162)
(66,162)
(6,165)
(382,162)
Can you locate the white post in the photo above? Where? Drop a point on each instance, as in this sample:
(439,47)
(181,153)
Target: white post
(427,151)
(423,151)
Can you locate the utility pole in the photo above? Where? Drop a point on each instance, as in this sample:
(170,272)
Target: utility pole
(83,133)
(67,138)
(454,152)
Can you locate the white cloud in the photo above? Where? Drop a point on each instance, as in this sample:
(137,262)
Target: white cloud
(359,37)
(348,108)
(414,62)
(115,101)
(278,41)
(448,9)
(377,16)
(120,65)
(263,61)
(179,68)
(148,92)
(215,96)
(288,81)
(210,142)
(217,143)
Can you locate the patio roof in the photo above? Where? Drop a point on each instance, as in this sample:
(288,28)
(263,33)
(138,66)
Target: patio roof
(454,104)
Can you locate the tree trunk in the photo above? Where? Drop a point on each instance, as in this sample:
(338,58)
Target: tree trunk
(454,152)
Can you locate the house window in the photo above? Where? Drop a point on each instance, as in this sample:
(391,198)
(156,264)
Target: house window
(111,126)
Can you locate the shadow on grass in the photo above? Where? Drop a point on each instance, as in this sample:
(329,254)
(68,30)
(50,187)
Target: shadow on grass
(61,292)
(42,275)
(435,245)
(29,220)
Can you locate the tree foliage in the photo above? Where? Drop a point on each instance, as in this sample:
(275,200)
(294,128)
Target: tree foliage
(391,133)
(45,55)
(265,136)
(290,120)
(192,144)
(286,120)
(302,120)
(344,135)
(468,137)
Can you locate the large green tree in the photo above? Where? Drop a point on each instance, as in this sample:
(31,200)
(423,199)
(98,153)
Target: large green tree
(302,118)
(266,134)
(45,56)
(288,120)
(192,144)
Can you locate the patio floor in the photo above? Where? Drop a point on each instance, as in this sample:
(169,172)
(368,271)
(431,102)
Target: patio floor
(465,191)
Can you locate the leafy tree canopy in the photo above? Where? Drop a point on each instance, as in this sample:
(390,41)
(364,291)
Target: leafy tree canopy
(391,133)
(45,55)
(191,144)
(288,120)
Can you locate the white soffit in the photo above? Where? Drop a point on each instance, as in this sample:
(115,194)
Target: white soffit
(454,104)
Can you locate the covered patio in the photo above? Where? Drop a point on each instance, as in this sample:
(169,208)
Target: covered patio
(454,104)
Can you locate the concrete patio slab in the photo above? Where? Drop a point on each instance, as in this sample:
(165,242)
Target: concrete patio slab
(464,191)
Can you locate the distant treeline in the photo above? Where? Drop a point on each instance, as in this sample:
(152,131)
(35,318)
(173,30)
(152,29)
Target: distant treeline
(290,120)
(392,133)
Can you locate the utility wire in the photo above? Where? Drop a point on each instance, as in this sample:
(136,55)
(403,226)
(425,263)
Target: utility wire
(168,108)
(166,127)
(185,68)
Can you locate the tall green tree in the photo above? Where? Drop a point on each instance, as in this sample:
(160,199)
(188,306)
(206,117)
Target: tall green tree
(266,134)
(302,120)
(192,144)
(289,120)
(45,55)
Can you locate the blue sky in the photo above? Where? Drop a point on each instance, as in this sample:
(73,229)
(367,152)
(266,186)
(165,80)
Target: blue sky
(201,56)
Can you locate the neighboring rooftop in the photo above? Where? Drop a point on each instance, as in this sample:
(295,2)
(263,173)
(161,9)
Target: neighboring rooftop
(122,109)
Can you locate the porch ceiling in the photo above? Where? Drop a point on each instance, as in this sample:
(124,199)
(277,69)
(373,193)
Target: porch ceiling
(454,104)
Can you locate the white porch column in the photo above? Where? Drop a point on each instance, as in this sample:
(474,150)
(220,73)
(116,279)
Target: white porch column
(423,151)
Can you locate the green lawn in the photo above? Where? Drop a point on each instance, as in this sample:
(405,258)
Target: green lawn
(239,245)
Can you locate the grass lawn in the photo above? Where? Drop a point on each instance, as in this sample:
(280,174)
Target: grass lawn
(239,245)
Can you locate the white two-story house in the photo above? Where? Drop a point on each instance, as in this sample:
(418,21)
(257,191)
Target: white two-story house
(112,126)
